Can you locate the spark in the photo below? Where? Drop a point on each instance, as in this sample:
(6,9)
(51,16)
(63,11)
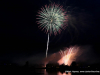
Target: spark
(52,19)
(47,45)
(68,56)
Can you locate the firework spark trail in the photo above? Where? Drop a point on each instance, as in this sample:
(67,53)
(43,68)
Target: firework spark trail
(66,55)
(63,54)
(47,45)
(53,19)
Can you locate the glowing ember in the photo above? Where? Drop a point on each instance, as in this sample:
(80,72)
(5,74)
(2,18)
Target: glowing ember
(67,56)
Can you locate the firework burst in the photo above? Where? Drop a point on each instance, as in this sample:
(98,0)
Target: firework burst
(52,19)
(68,55)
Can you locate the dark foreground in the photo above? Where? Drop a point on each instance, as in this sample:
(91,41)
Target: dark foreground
(46,71)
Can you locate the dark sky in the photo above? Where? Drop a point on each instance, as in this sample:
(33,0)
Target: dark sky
(21,38)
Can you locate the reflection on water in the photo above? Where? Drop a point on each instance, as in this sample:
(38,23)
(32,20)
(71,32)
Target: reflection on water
(59,73)
(44,72)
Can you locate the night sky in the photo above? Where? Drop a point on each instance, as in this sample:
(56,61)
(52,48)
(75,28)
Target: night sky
(21,39)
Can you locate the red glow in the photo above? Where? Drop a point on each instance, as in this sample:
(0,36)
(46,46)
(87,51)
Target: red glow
(59,73)
(68,56)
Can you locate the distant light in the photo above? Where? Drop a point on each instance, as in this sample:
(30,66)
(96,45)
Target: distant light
(88,66)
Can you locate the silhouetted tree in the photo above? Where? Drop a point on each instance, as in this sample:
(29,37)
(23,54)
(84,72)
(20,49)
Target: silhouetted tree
(73,64)
(27,64)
